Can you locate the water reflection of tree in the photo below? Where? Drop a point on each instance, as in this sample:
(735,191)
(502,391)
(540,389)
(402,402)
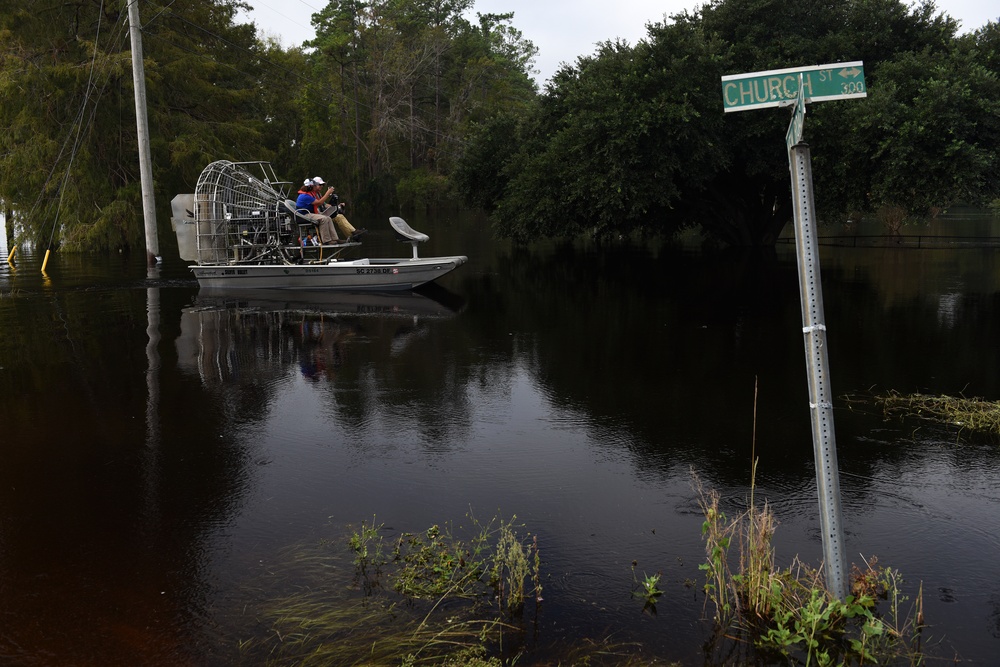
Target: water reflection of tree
(369,361)
(645,340)
(666,347)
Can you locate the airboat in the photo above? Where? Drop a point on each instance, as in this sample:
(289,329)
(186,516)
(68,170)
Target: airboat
(242,232)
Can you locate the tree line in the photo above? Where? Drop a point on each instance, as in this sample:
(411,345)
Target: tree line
(378,103)
(634,138)
(411,103)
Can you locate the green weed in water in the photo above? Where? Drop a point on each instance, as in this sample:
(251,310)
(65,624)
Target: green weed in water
(428,598)
(647,589)
(790,612)
(369,554)
(435,564)
(511,568)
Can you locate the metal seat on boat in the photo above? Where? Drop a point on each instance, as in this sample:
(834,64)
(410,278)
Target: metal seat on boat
(407,234)
(305,225)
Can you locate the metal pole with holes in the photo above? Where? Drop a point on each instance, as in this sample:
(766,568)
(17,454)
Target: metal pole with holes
(820,398)
(794,87)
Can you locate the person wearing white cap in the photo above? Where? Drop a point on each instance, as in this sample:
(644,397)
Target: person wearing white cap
(309,205)
(336,212)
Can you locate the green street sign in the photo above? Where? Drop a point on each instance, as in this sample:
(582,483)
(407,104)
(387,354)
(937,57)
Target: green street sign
(780,87)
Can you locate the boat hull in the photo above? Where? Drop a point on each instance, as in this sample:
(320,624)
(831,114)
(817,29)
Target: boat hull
(362,274)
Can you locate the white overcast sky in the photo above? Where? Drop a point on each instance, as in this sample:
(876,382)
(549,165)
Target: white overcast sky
(563,29)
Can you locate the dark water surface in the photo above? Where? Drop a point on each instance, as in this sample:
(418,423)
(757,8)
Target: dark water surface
(164,452)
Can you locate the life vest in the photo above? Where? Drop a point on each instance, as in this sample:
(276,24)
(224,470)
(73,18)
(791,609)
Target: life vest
(312,207)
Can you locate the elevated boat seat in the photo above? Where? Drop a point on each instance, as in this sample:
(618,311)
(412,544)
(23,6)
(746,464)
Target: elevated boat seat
(304,224)
(307,226)
(407,234)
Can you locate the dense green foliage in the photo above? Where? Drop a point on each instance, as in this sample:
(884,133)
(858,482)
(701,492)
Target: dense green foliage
(380,98)
(406,78)
(410,102)
(634,137)
(68,151)
(927,136)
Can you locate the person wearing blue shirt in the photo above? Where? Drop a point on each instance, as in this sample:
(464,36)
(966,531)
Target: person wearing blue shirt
(308,204)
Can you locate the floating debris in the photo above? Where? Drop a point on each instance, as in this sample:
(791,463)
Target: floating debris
(975,414)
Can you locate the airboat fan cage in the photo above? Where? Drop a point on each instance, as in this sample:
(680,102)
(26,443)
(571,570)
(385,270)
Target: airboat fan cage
(237,206)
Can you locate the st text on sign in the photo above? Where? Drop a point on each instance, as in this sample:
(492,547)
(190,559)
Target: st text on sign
(780,87)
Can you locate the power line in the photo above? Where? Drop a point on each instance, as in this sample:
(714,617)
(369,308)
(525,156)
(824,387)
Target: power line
(239,47)
(77,125)
(258,57)
(96,90)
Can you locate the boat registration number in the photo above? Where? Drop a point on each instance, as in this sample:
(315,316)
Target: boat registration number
(378,270)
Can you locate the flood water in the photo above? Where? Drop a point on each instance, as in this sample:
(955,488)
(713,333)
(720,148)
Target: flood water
(166,452)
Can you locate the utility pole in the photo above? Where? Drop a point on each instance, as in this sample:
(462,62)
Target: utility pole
(142,130)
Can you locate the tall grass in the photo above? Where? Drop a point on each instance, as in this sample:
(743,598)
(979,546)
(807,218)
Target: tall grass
(790,611)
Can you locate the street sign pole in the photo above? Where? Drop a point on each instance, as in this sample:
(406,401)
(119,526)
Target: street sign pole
(817,364)
(795,87)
